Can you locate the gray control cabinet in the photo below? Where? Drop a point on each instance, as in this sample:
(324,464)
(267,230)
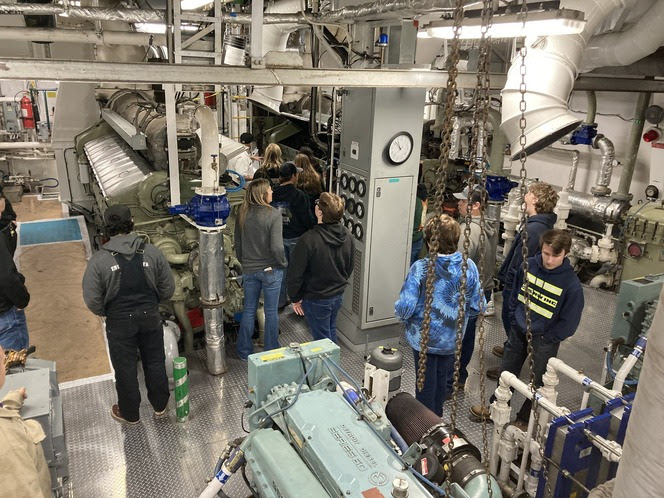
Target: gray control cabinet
(380,203)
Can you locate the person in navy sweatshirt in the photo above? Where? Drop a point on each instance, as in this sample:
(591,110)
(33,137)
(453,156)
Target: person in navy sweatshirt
(540,201)
(556,304)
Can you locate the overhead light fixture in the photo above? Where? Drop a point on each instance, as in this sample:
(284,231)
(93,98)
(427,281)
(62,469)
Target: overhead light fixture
(158,28)
(194,4)
(551,22)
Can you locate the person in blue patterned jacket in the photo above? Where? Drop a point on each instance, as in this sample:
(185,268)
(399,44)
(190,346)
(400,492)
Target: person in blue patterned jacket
(444,308)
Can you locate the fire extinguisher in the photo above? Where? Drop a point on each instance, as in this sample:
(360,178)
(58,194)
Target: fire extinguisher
(26,113)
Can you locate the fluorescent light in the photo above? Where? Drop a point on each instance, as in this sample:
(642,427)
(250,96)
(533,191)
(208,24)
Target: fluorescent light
(555,22)
(194,4)
(422,33)
(158,29)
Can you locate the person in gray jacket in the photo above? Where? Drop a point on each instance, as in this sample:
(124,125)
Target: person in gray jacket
(471,202)
(125,282)
(259,246)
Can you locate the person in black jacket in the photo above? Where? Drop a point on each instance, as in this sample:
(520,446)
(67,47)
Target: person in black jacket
(14,297)
(540,201)
(296,216)
(556,304)
(321,265)
(8,223)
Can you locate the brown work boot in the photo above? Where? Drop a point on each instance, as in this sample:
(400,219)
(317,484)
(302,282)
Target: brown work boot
(117,415)
(493,373)
(498,351)
(479,412)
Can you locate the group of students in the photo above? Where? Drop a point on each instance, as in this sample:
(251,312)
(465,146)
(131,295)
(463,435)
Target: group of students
(555,296)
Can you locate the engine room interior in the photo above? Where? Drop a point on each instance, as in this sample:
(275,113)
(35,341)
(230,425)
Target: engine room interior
(469,196)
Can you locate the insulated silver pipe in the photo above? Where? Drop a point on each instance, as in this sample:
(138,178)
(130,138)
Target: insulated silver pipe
(605,171)
(571,181)
(80,36)
(212,286)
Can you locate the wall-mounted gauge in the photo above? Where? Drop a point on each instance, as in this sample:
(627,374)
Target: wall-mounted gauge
(344,181)
(352,184)
(652,192)
(349,224)
(350,206)
(399,148)
(359,210)
(343,197)
(358,231)
(361,188)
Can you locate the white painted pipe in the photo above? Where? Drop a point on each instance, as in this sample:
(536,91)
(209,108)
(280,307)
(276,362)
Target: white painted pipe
(526,451)
(24,145)
(209,146)
(513,381)
(562,368)
(532,479)
(626,47)
(629,363)
(256,30)
(80,36)
(558,57)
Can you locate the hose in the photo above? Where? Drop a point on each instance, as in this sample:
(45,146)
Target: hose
(240,186)
(57,183)
(613,373)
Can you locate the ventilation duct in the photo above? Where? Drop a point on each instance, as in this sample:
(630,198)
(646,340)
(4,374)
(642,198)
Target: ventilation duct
(551,68)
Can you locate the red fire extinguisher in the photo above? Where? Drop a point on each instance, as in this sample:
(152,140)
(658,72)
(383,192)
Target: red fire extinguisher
(26,113)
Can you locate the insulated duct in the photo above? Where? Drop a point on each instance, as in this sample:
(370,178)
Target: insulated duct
(212,286)
(607,163)
(641,467)
(551,68)
(626,47)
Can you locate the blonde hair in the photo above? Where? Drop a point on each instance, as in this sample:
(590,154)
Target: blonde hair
(308,179)
(272,158)
(256,195)
(546,196)
(449,232)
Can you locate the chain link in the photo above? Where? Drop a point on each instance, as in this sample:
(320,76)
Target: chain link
(441,183)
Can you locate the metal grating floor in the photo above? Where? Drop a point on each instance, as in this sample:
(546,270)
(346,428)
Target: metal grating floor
(165,458)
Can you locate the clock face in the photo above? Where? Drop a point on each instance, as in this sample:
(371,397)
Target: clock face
(399,148)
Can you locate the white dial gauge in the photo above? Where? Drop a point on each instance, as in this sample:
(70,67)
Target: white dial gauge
(399,148)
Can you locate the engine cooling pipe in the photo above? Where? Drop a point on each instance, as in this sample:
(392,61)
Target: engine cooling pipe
(558,57)
(417,424)
(641,467)
(212,287)
(607,163)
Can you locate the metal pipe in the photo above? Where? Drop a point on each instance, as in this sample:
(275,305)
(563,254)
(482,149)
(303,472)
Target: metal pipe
(332,128)
(497,156)
(212,286)
(24,145)
(80,36)
(209,147)
(571,181)
(605,171)
(256,32)
(629,363)
(526,451)
(633,143)
(592,107)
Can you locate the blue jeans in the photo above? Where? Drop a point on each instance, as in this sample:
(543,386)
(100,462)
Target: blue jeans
(321,315)
(14,329)
(253,283)
(289,245)
(415,250)
(467,348)
(516,352)
(435,381)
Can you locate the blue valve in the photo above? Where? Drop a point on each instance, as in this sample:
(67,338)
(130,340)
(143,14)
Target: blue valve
(205,210)
(584,135)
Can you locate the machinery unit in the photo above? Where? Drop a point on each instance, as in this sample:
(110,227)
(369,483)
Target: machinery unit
(379,161)
(314,435)
(644,236)
(43,404)
(635,307)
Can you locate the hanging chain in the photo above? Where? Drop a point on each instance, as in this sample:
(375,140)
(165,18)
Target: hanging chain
(441,183)
(480,119)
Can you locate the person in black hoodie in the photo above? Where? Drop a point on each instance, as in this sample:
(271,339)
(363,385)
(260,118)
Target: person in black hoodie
(321,265)
(296,216)
(13,298)
(8,223)
(540,201)
(556,304)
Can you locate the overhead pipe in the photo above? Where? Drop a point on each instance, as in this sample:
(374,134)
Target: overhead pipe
(547,115)
(592,107)
(24,145)
(642,467)
(80,36)
(497,156)
(628,46)
(607,163)
(209,148)
(633,143)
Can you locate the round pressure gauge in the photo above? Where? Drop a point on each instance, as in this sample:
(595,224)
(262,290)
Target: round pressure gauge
(352,184)
(343,197)
(361,188)
(349,224)
(344,181)
(652,192)
(359,210)
(350,206)
(358,231)
(399,148)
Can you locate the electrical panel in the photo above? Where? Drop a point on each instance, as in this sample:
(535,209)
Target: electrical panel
(379,193)
(11,116)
